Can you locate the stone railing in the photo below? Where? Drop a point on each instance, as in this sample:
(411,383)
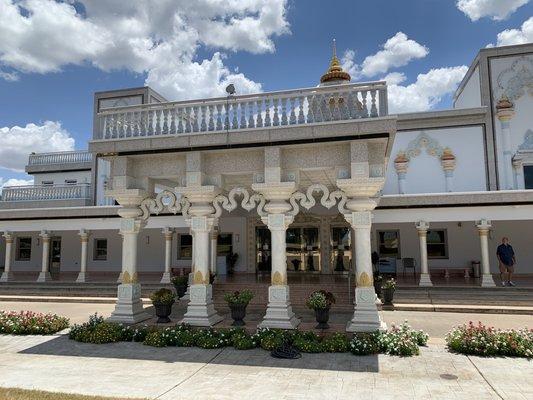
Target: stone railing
(46,192)
(257,111)
(64,157)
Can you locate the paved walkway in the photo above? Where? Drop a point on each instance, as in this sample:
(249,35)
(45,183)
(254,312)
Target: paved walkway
(56,363)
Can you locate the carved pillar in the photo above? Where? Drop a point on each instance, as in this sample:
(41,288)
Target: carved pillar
(129,308)
(168,233)
(518,168)
(7,275)
(505,112)
(200,310)
(448,165)
(366,317)
(425,278)
(213,249)
(401,162)
(483,227)
(84,239)
(45,276)
(279,312)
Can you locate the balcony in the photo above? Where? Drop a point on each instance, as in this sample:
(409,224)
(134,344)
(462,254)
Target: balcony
(253,112)
(46,196)
(60,161)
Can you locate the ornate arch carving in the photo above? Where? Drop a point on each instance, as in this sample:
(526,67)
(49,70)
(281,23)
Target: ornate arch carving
(164,201)
(307,199)
(517,80)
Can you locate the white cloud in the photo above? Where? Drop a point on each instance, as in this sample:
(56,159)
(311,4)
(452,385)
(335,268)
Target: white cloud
(15,182)
(18,142)
(495,9)
(397,51)
(426,92)
(517,36)
(157,37)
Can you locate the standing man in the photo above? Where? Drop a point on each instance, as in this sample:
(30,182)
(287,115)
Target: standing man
(507,261)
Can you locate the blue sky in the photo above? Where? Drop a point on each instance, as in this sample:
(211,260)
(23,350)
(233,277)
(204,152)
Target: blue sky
(56,55)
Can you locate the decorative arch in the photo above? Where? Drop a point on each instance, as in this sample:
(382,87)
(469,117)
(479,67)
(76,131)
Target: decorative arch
(517,80)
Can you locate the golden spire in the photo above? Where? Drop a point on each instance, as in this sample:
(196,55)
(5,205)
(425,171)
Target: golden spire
(335,71)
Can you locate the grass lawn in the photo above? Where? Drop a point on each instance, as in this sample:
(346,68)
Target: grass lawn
(23,394)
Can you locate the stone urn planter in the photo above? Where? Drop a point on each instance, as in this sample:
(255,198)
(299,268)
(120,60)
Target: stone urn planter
(237,303)
(238,312)
(322,317)
(163,299)
(320,301)
(163,311)
(180,284)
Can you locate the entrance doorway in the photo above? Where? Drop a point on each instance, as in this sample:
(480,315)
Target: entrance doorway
(55,257)
(341,249)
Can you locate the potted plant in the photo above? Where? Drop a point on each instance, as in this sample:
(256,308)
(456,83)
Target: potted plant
(388,291)
(237,302)
(378,281)
(180,283)
(320,301)
(162,300)
(231,261)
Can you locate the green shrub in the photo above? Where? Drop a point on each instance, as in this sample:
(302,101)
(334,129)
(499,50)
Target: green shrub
(481,340)
(31,323)
(364,343)
(212,339)
(244,341)
(242,297)
(180,280)
(163,296)
(399,341)
(155,338)
(320,299)
(97,331)
(271,339)
(307,345)
(336,343)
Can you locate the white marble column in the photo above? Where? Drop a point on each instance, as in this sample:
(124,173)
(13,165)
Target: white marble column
(129,308)
(366,317)
(201,310)
(84,238)
(401,162)
(168,233)
(483,227)
(213,251)
(425,278)
(7,275)
(45,276)
(448,162)
(279,312)
(518,169)
(505,112)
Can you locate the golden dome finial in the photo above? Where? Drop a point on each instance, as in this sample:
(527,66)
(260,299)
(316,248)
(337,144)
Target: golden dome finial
(335,71)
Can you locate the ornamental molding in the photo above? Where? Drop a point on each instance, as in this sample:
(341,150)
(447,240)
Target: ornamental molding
(423,140)
(527,144)
(328,199)
(249,202)
(165,201)
(517,80)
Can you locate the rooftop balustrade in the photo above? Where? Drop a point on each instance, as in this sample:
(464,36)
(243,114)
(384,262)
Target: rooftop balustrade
(64,157)
(46,192)
(247,112)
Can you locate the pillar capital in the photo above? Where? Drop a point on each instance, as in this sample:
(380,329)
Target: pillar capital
(201,223)
(483,226)
(131,225)
(422,227)
(8,236)
(84,235)
(45,235)
(359,219)
(361,187)
(200,197)
(277,195)
(278,222)
(167,232)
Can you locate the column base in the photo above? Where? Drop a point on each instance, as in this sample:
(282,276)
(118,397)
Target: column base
(44,277)
(7,277)
(129,308)
(279,311)
(201,310)
(425,280)
(487,281)
(165,278)
(366,317)
(187,295)
(82,277)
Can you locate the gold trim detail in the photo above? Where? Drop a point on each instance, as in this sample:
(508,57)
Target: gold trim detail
(129,279)
(364,280)
(277,279)
(199,278)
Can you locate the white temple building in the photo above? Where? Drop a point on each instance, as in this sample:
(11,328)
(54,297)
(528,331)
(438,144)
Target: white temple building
(304,181)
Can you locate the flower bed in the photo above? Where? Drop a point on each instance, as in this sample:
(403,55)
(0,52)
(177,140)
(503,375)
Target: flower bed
(486,341)
(401,340)
(31,323)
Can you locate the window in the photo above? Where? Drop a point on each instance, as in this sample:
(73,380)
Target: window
(224,244)
(184,247)
(389,244)
(100,249)
(23,249)
(528,176)
(70,181)
(437,244)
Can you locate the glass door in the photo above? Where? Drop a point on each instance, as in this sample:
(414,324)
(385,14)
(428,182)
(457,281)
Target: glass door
(341,249)
(263,256)
(55,256)
(311,242)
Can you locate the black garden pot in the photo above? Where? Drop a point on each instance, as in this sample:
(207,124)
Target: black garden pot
(377,288)
(162,311)
(388,296)
(322,317)
(238,312)
(181,289)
